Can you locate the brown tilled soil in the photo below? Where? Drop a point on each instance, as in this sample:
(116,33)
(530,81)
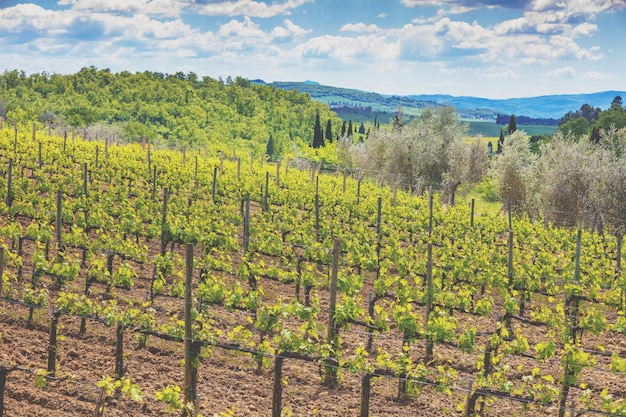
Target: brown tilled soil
(229,383)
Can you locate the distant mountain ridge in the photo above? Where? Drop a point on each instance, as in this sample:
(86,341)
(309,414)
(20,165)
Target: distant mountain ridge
(548,106)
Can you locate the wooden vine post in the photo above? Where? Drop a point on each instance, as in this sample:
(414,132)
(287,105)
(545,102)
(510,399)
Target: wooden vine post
(266,202)
(154,182)
(371,301)
(429,279)
(10,183)
(149,160)
(317,217)
(246,223)
(52,344)
(331,364)
(119,352)
(85,180)
(278,386)
(510,283)
(492,348)
(59,233)
(4,372)
(1,266)
(192,347)
(15,137)
(366,388)
(572,313)
(164,222)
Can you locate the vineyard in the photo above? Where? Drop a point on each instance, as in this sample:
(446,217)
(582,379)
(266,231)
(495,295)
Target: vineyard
(138,281)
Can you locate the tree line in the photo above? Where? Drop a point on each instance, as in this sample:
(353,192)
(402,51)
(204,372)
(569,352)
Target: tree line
(165,108)
(579,178)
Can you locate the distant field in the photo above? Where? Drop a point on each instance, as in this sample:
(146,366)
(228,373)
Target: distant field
(492,129)
(475,127)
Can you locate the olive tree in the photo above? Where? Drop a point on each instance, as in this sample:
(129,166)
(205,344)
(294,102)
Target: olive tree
(567,174)
(513,173)
(427,152)
(611,189)
(467,165)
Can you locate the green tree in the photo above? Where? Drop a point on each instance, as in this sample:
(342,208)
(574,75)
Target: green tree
(512,124)
(349,131)
(617,102)
(512,172)
(420,154)
(577,127)
(595,135)
(615,117)
(318,135)
(329,131)
(565,174)
(500,141)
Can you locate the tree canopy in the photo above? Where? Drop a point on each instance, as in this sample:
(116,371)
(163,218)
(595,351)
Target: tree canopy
(165,108)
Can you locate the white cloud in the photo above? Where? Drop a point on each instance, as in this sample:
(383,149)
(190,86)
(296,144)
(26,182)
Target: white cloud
(382,15)
(359,27)
(171,8)
(497,72)
(563,72)
(596,76)
(250,8)
(28,17)
(349,49)
(290,30)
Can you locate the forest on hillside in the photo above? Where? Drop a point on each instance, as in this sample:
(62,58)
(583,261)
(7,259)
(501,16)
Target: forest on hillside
(165,108)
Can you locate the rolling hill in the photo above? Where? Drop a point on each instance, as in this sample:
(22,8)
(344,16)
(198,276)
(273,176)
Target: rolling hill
(549,106)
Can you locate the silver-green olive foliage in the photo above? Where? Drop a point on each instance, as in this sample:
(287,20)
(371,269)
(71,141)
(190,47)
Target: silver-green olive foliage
(427,152)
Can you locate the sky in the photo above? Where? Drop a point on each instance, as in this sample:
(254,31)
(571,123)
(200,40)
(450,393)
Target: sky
(481,48)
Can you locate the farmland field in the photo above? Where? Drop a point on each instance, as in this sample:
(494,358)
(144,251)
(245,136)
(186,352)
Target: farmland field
(443,312)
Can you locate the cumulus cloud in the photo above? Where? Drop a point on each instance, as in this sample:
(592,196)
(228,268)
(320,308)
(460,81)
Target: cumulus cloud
(563,72)
(596,76)
(250,8)
(289,31)
(170,8)
(359,27)
(349,49)
(468,4)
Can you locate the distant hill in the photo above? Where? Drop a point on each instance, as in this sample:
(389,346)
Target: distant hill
(364,102)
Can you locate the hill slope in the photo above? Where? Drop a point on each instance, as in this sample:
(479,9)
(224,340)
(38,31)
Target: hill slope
(550,106)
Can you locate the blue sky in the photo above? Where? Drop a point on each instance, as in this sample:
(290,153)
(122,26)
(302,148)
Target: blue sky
(483,48)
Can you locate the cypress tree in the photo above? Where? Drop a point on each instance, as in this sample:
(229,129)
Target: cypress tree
(349,128)
(595,135)
(343,129)
(318,135)
(329,132)
(362,129)
(512,124)
(500,142)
